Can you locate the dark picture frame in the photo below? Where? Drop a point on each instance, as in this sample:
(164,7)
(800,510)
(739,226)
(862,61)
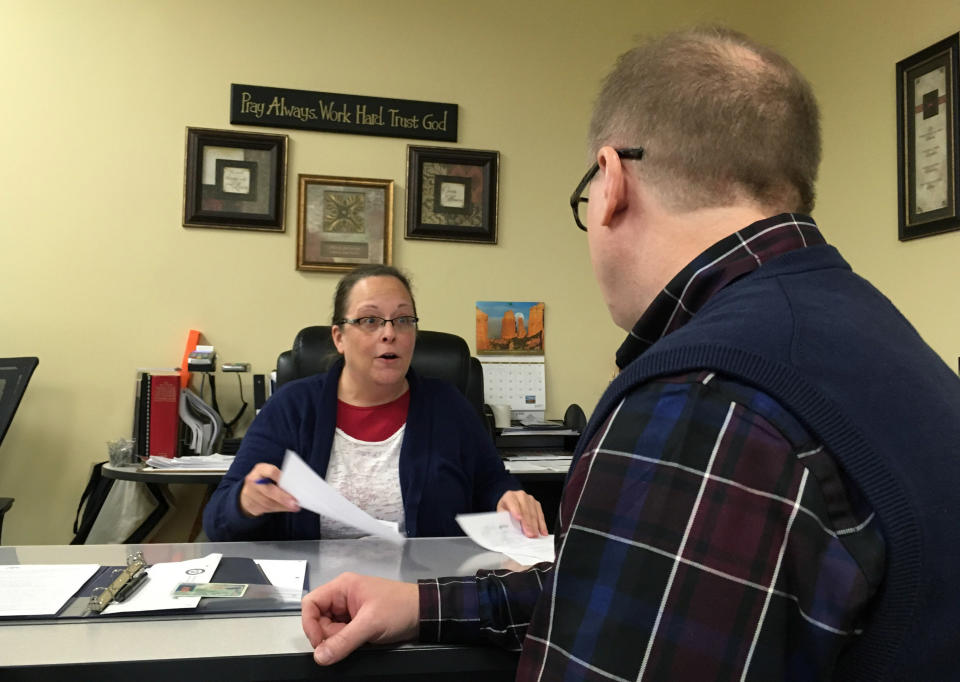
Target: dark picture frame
(235,180)
(452,194)
(343,222)
(928,149)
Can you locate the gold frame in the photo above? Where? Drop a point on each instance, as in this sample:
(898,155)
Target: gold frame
(319,254)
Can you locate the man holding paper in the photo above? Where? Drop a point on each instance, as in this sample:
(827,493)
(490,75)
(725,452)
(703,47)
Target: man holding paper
(768,490)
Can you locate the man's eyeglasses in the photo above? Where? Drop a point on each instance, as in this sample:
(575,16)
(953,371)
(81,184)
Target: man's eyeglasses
(579,203)
(370,324)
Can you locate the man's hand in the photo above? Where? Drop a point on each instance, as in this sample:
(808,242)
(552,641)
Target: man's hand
(352,609)
(525,509)
(261,498)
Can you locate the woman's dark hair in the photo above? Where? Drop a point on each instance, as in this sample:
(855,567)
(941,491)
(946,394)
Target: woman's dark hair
(347,282)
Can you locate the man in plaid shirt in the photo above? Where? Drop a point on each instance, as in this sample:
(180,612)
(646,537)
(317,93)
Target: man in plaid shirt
(767,490)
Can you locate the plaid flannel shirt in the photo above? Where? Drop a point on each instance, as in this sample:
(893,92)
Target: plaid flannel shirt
(703,533)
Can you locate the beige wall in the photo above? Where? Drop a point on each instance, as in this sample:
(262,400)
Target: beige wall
(99,277)
(849,51)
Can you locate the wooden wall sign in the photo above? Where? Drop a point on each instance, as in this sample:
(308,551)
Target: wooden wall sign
(336,113)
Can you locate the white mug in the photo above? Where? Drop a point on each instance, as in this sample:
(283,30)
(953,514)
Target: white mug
(501,415)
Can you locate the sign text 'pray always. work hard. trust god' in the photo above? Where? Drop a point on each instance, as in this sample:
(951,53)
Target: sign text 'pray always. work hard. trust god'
(330,112)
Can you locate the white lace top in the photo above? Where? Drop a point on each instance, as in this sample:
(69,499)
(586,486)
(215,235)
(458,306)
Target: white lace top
(367,474)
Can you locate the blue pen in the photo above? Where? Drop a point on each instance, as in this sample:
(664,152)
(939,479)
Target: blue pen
(268,481)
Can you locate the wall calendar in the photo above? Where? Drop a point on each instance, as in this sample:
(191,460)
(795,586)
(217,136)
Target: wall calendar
(516,381)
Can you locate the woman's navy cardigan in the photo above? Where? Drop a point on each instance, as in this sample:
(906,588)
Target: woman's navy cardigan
(448,463)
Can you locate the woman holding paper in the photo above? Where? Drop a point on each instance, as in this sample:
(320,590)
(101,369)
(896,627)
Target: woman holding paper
(404,448)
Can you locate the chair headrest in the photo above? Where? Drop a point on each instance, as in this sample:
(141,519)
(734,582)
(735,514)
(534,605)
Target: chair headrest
(436,354)
(313,351)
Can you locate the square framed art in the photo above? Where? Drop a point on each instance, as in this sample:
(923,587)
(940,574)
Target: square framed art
(235,180)
(452,194)
(343,222)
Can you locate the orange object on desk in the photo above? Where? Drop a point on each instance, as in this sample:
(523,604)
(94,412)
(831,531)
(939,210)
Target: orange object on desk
(193,338)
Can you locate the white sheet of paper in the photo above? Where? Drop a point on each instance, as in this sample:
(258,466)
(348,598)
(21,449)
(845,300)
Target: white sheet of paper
(550,466)
(315,494)
(157,593)
(40,589)
(284,573)
(543,459)
(524,467)
(501,532)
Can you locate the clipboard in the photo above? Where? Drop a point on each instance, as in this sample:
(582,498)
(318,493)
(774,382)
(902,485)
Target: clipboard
(261,596)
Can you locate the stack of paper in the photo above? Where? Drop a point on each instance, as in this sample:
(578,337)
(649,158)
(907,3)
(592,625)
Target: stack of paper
(537,464)
(552,466)
(207,463)
(40,589)
(544,429)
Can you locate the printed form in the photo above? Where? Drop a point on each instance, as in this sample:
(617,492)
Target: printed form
(501,532)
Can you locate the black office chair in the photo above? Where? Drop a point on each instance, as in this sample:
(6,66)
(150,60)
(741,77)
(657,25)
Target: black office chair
(437,354)
(14,375)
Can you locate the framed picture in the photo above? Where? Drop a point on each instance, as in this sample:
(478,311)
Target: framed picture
(509,327)
(927,150)
(235,180)
(344,222)
(452,194)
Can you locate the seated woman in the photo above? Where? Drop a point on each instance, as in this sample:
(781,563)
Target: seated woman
(401,447)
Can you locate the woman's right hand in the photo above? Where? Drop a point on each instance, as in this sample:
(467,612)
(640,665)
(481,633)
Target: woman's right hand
(261,494)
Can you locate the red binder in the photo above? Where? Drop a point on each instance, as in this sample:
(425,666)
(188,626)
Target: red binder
(164,415)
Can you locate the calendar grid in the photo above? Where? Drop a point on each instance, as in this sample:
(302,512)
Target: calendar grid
(518,383)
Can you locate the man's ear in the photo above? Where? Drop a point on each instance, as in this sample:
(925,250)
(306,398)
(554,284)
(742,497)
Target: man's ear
(337,334)
(612,188)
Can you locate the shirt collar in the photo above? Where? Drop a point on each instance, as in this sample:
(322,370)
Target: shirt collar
(722,263)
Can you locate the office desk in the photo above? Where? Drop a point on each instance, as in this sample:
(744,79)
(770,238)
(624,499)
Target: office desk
(153,479)
(545,483)
(134,472)
(249,646)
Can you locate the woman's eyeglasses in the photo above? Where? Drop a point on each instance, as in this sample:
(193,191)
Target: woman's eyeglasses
(370,324)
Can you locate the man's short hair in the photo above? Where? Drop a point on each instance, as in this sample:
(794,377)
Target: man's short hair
(721,119)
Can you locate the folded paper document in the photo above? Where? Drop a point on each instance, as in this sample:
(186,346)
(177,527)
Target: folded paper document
(501,532)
